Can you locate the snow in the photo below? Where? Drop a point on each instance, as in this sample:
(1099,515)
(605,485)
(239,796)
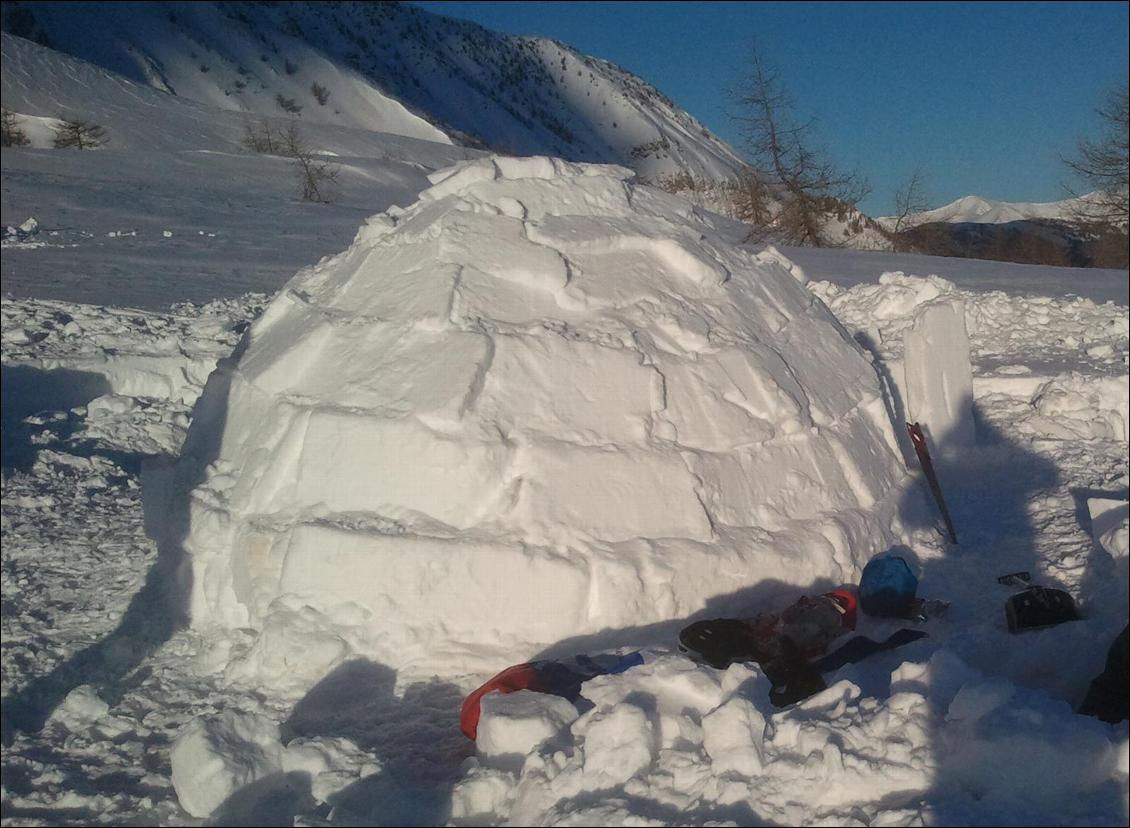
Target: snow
(234,765)
(1022,281)
(299,710)
(391,69)
(213,758)
(514,724)
(717,753)
(1108,519)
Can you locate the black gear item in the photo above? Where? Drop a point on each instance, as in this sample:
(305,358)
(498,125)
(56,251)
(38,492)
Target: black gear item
(861,647)
(802,681)
(794,678)
(1039,607)
(720,642)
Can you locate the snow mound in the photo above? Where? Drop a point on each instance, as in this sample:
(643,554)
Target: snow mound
(236,762)
(672,735)
(516,723)
(541,402)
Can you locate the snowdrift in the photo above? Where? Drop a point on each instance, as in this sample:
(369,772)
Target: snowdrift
(539,403)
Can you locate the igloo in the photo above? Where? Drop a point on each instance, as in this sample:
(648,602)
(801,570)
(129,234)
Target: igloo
(543,401)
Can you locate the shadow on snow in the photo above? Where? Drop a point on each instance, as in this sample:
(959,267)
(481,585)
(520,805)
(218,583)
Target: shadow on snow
(160,608)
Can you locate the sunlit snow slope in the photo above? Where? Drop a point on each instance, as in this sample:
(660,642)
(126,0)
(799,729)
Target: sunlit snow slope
(386,67)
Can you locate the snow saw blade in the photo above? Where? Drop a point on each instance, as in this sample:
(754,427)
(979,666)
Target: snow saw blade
(923,452)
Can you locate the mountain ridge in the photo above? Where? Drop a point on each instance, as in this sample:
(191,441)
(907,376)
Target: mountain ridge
(975,209)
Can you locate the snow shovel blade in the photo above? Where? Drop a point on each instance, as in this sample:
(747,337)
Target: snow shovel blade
(923,452)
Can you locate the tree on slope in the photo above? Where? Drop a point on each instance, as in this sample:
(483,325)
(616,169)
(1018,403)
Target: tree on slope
(11,133)
(73,134)
(315,172)
(910,199)
(1102,163)
(782,152)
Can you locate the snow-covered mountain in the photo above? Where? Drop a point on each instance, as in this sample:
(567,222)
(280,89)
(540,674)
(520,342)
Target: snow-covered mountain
(1065,232)
(976,210)
(387,67)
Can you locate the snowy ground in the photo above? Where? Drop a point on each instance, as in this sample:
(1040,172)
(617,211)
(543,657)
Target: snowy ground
(148,229)
(96,399)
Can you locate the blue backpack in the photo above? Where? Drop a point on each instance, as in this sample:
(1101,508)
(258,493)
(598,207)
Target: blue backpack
(887,587)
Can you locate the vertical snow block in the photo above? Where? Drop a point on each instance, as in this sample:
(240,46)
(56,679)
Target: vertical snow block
(939,380)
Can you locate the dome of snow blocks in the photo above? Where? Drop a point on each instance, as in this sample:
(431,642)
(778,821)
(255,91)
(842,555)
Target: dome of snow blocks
(541,402)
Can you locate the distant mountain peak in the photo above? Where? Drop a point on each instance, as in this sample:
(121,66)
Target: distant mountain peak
(973,209)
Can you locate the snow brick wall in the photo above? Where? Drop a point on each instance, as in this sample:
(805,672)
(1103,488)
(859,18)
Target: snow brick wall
(541,402)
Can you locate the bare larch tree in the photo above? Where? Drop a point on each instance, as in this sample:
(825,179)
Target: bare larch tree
(781,151)
(75,134)
(1102,164)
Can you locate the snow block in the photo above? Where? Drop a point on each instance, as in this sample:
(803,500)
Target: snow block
(1110,524)
(618,744)
(516,723)
(733,736)
(213,758)
(440,591)
(939,378)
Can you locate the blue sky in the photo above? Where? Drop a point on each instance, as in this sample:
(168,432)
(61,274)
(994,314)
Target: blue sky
(985,97)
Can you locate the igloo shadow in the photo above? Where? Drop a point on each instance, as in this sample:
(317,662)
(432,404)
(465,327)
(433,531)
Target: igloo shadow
(414,735)
(993,489)
(27,390)
(158,609)
(985,487)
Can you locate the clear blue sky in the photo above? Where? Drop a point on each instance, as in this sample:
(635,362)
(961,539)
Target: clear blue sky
(986,97)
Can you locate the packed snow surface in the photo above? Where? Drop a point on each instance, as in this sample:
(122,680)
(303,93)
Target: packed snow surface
(541,402)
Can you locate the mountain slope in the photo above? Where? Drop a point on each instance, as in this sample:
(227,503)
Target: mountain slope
(172,206)
(387,67)
(44,84)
